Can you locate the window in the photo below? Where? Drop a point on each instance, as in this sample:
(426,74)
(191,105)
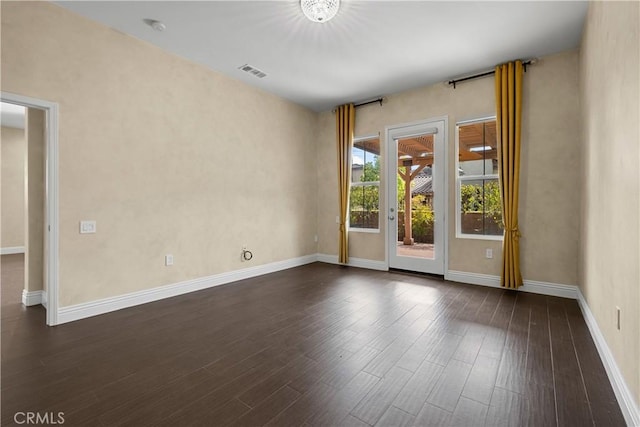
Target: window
(364,200)
(479,209)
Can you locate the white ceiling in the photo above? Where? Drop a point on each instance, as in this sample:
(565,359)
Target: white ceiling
(12,115)
(370,48)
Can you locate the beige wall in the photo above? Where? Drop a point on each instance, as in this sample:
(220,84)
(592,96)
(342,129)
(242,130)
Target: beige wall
(13,201)
(166,156)
(36,146)
(549,201)
(610,231)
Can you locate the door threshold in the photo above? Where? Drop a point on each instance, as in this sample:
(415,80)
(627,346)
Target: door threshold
(417,273)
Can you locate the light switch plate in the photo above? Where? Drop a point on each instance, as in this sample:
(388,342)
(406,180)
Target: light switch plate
(87,227)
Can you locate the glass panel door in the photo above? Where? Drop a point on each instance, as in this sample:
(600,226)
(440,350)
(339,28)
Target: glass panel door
(416,194)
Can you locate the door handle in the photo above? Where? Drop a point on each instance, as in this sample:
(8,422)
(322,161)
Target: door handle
(391,217)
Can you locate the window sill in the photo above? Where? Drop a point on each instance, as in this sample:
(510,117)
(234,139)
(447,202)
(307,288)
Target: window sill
(479,237)
(365,230)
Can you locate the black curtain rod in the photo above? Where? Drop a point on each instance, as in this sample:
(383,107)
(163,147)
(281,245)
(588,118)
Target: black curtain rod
(487,73)
(373,101)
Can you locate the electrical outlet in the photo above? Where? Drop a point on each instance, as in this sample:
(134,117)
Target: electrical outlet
(337,219)
(315,238)
(488,253)
(168,260)
(618,317)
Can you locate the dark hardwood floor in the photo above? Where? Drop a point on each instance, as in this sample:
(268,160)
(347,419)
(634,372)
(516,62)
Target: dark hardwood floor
(314,345)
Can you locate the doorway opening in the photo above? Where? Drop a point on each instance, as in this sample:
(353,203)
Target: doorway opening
(34,261)
(13,246)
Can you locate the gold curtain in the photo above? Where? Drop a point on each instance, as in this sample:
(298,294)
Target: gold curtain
(509,123)
(345,120)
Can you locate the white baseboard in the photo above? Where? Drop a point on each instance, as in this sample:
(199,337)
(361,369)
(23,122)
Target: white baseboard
(106,305)
(543,288)
(355,262)
(626,400)
(12,250)
(32,297)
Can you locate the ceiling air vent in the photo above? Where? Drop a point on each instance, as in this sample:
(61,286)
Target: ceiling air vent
(252,70)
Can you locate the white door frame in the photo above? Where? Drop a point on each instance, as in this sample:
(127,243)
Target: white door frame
(445,220)
(51,197)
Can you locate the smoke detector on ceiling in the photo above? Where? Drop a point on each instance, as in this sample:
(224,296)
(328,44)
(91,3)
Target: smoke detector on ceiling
(155,24)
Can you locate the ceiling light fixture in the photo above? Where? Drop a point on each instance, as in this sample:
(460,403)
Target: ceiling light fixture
(320,10)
